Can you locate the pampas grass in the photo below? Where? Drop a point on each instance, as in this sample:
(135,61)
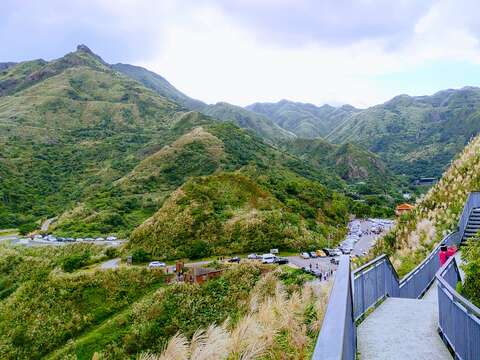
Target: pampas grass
(273,314)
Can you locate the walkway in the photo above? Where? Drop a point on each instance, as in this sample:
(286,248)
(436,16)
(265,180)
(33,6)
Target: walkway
(400,327)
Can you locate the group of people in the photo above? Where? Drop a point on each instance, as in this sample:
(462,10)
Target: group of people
(323,274)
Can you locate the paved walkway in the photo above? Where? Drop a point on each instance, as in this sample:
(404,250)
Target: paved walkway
(403,329)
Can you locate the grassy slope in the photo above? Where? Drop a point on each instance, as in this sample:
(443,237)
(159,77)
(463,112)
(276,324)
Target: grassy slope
(158,84)
(253,210)
(436,214)
(42,307)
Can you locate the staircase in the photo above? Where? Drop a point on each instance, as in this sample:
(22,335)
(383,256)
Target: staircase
(473,224)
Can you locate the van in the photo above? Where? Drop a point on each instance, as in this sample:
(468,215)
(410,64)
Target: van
(268,258)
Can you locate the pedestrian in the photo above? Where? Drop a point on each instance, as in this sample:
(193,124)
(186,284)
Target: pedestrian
(310,266)
(317,266)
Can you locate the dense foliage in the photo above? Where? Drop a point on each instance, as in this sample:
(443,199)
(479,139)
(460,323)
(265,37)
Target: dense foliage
(239,212)
(471,257)
(418,136)
(41,307)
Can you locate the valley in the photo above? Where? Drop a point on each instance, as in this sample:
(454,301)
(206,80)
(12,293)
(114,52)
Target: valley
(106,168)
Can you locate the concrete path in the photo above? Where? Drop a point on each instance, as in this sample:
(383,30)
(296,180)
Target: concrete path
(403,329)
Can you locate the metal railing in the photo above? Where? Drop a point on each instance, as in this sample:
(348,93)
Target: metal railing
(458,318)
(337,339)
(377,279)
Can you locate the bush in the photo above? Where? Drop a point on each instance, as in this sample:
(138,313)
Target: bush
(75,261)
(140,255)
(27,228)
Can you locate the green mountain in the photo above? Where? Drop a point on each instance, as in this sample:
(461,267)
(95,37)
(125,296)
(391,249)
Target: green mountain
(260,124)
(305,120)
(222,111)
(83,141)
(418,135)
(158,84)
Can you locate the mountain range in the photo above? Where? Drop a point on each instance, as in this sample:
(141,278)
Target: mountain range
(104,147)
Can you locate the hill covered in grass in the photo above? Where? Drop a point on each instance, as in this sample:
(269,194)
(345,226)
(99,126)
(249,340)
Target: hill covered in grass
(251,210)
(305,120)
(436,214)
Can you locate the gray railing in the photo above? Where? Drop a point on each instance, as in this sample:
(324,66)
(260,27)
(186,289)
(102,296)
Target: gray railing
(458,319)
(337,339)
(378,279)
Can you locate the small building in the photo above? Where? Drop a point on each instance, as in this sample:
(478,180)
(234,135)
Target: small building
(199,275)
(403,208)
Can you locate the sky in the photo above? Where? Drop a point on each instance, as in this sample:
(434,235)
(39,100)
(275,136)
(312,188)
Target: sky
(360,52)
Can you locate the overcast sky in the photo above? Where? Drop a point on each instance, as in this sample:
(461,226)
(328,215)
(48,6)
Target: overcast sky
(360,52)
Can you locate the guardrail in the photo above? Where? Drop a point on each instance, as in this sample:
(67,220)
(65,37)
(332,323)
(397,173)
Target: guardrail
(458,318)
(337,339)
(378,279)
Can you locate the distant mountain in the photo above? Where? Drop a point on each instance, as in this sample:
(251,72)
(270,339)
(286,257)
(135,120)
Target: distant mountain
(246,119)
(304,120)
(360,168)
(415,135)
(223,111)
(158,84)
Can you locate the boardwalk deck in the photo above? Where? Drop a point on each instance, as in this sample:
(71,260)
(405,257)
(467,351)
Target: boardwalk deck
(403,329)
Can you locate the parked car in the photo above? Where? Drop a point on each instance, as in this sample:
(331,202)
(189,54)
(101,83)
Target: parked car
(305,255)
(313,254)
(156,264)
(346,251)
(268,258)
(234,259)
(253,256)
(111,238)
(281,261)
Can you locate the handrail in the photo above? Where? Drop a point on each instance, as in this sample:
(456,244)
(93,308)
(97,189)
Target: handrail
(337,338)
(370,283)
(458,318)
(472,309)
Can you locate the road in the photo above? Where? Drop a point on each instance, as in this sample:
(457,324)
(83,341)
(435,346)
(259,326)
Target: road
(111,264)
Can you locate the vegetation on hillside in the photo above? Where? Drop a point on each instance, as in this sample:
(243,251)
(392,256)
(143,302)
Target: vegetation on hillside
(304,120)
(248,310)
(244,118)
(251,210)
(42,307)
(417,136)
(470,288)
(436,214)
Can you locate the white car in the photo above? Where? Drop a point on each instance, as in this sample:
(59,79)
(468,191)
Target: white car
(111,238)
(268,258)
(305,255)
(156,264)
(253,256)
